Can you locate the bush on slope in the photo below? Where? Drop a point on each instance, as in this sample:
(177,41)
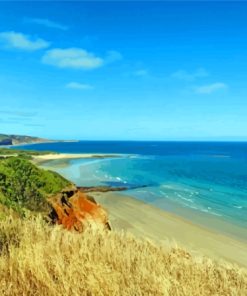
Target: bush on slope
(22,184)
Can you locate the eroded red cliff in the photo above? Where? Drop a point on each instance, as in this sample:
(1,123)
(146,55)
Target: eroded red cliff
(75,210)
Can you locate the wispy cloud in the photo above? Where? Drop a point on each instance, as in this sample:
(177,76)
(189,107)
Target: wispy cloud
(80,86)
(22,41)
(26,114)
(78,58)
(75,58)
(34,124)
(113,56)
(190,76)
(210,88)
(141,72)
(46,23)
(17,117)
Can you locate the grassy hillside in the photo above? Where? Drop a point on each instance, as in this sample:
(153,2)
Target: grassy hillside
(23,185)
(37,259)
(17,139)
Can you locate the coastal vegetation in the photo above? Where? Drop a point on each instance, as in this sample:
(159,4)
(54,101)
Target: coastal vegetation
(25,186)
(5,152)
(38,258)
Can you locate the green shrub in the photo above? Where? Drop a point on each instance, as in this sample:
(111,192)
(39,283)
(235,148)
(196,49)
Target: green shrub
(22,184)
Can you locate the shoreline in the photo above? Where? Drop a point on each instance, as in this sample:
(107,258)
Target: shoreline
(148,222)
(61,156)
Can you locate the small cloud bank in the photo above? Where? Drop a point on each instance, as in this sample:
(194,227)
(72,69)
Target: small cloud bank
(15,40)
(80,86)
(208,89)
(186,76)
(74,58)
(78,58)
(46,23)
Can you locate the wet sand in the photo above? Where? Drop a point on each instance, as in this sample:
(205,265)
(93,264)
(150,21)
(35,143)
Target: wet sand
(143,220)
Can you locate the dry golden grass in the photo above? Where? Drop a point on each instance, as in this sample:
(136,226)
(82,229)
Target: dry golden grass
(37,259)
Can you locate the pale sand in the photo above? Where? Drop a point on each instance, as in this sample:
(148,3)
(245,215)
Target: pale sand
(7,155)
(144,220)
(46,157)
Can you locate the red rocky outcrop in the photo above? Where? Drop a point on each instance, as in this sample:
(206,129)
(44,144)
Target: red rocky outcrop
(75,210)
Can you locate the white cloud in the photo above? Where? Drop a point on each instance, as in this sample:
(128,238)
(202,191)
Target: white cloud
(75,58)
(184,75)
(46,23)
(141,72)
(76,85)
(210,88)
(78,58)
(21,41)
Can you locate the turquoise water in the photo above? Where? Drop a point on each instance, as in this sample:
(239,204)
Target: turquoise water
(203,182)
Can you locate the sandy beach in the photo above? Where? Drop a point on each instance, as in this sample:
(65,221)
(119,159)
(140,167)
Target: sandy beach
(47,157)
(143,220)
(147,221)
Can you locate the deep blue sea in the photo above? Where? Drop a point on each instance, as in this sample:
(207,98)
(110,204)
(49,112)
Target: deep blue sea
(202,181)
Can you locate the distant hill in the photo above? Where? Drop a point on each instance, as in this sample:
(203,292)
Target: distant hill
(17,139)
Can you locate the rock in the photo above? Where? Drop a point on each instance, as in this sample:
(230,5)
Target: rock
(108,188)
(101,189)
(75,210)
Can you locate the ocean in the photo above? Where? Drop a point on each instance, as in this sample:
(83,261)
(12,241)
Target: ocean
(205,182)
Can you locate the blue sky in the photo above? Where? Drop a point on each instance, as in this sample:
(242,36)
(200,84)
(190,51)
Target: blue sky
(124,71)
